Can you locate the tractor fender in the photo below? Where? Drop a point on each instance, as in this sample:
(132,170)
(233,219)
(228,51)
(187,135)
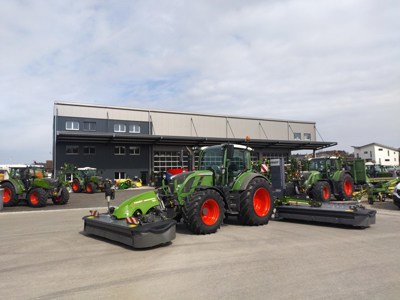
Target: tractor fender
(242,183)
(338,177)
(204,187)
(18,189)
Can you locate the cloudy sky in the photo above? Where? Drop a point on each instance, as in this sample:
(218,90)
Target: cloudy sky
(336,63)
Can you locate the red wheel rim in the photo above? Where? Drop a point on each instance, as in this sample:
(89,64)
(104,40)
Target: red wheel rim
(348,187)
(34,198)
(326,193)
(75,186)
(209,212)
(57,199)
(88,189)
(261,202)
(6,195)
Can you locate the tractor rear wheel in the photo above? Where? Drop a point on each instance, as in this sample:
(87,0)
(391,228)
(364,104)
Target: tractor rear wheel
(36,198)
(90,188)
(10,197)
(203,212)
(345,188)
(321,191)
(63,198)
(256,203)
(76,186)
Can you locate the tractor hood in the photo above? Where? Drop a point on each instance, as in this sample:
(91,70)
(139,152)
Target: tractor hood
(184,182)
(46,183)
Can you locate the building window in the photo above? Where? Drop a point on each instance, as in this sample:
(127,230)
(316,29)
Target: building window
(72,150)
(307,136)
(71,125)
(365,152)
(119,128)
(164,160)
(119,150)
(133,150)
(89,150)
(297,136)
(370,154)
(89,126)
(119,175)
(380,149)
(134,129)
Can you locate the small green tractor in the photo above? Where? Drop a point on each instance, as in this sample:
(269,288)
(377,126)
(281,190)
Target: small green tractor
(329,176)
(82,179)
(223,184)
(29,183)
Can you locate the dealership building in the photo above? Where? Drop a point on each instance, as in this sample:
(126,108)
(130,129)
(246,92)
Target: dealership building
(124,142)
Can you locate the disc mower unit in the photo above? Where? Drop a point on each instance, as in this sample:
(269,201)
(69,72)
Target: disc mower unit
(340,214)
(131,231)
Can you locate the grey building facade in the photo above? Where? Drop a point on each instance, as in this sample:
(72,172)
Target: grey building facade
(126,142)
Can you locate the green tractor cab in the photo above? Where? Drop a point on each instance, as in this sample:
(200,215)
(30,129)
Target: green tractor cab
(29,183)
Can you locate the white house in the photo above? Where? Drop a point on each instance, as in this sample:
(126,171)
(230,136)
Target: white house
(378,153)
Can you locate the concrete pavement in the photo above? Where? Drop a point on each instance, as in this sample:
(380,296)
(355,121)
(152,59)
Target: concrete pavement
(44,255)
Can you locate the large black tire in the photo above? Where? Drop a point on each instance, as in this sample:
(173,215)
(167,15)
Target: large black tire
(36,197)
(63,198)
(76,186)
(321,191)
(10,197)
(292,189)
(203,212)
(345,188)
(256,203)
(90,188)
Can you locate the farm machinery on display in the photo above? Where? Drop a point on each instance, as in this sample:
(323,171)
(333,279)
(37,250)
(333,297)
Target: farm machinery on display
(322,178)
(224,184)
(126,183)
(82,179)
(30,184)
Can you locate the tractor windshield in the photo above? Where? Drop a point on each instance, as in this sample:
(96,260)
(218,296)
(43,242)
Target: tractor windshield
(88,173)
(316,164)
(212,157)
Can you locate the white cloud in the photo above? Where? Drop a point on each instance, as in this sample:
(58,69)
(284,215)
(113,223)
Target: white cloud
(333,62)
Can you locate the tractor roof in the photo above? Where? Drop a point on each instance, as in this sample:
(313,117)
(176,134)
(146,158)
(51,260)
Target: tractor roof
(237,146)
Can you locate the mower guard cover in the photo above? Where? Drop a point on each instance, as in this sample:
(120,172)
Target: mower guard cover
(343,214)
(136,236)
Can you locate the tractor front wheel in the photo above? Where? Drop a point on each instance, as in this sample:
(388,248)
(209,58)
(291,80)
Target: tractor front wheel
(10,197)
(36,198)
(76,186)
(321,191)
(203,212)
(256,203)
(63,198)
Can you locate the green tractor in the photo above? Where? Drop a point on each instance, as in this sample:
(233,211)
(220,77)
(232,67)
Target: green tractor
(329,176)
(223,184)
(28,183)
(86,179)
